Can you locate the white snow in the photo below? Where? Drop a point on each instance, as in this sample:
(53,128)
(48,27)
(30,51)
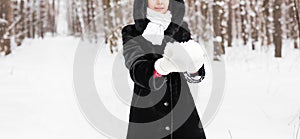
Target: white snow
(3,21)
(36,93)
(37,98)
(262,95)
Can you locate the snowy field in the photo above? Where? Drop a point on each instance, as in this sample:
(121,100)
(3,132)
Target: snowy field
(37,100)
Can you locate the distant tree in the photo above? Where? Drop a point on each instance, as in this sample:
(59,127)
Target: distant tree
(224,24)
(5,10)
(237,22)
(5,20)
(296,11)
(217,30)
(254,22)
(35,18)
(291,22)
(243,14)
(277,25)
(230,16)
(52,10)
(206,20)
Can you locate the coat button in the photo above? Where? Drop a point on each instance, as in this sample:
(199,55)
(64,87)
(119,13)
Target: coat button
(166,104)
(167,128)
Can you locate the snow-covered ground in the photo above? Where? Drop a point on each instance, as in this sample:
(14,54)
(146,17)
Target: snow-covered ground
(37,100)
(36,97)
(262,97)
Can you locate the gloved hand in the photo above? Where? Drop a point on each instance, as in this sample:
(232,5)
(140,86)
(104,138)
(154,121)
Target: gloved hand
(175,59)
(196,53)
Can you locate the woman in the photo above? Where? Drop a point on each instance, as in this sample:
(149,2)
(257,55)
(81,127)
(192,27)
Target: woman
(158,52)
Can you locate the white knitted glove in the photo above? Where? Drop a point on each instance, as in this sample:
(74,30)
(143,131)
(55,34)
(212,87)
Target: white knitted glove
(196,53)
(175,59)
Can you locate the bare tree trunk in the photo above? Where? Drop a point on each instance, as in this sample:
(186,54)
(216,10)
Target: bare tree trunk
(34,18)
(223,27)
(243,21)
(296,9)
(237,20)
(53,24)
(5,14)
(205,22)
(277,25)
(229,30)
(254,23)
(292,25)
(217,30)
(29,18)
(42,18)
(88,13)
(21,35)
(267,14)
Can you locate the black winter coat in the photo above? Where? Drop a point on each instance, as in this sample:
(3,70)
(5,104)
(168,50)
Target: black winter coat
(155,99)
(161,107)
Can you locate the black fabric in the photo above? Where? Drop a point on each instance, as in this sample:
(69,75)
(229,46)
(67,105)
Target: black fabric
(140,56)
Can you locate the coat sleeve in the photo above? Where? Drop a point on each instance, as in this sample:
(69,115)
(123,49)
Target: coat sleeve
(195,77)
(139,63)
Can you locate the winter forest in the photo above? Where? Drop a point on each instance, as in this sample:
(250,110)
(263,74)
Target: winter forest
(258,41)
(255,23)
